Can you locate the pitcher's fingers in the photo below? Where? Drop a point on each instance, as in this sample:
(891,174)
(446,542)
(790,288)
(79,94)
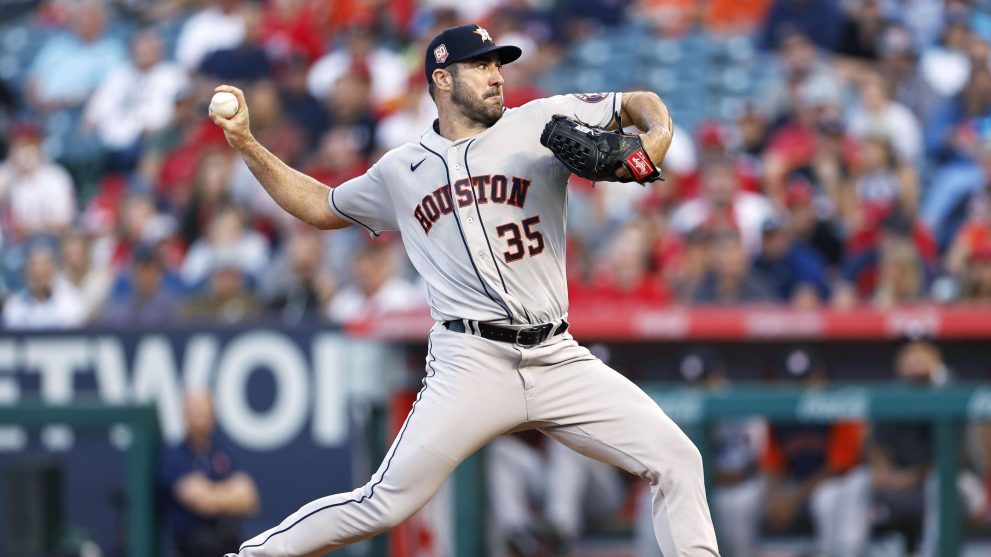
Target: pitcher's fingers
(224,123)
(234,91)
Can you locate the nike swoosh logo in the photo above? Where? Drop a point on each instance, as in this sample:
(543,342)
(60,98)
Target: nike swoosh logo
(413,167)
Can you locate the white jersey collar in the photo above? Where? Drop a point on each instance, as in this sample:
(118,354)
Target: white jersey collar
(433,140)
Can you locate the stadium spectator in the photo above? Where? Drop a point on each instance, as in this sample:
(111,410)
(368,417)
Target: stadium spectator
(338,158)
(808,223)
(949,205)
(210,194)
(417,112)
(298,285)
(91,280)
(8,109)
(47,301)
(71,65)
(180,150)
(861,28)
(37,195)
(349,107)
(147,294)
(689,265)
(386,72)
(878,115)
(300,107)
(901,456)
(731,279)
(976,288)
(753,129)
(900,66)
(543,495)
(820,20)
(881,186)
(946,65)
(225,297)
(623,273)
(227,238)
(810,142)
(960,122)
(672,18)
(722,206)
(867,248)
(215,26)
(976,230)
(924,19)
(246,61)
(158,144)
(134,101)
(901,275)
(813,472)
(204,494)
(291,31)
(377,286)
(791,267)
(139,222)
(796,61)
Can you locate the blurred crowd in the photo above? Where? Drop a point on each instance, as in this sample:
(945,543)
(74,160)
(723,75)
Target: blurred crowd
(858,174)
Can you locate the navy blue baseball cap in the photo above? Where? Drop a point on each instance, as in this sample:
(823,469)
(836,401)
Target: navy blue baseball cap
(464,42)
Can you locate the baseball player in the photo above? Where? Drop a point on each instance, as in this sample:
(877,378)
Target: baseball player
(480,203)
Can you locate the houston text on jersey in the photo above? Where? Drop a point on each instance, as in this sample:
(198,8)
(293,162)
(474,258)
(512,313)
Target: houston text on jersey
(494,188)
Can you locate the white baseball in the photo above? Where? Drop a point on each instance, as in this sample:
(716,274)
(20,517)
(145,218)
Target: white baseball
(223,104)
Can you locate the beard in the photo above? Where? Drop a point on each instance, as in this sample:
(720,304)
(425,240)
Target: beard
(474,107)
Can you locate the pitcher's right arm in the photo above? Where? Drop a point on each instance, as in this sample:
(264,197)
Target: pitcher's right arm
(300,195)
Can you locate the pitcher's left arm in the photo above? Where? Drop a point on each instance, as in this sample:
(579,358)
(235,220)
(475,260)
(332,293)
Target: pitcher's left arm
(646,111)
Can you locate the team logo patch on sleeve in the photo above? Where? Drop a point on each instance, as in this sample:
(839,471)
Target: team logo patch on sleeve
(440,54)
(591,98)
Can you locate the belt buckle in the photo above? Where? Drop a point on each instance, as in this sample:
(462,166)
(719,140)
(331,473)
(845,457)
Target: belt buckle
(518,333)
(538,329)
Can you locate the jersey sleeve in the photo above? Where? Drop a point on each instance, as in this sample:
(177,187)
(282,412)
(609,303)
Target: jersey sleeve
(596,109)
(365,201)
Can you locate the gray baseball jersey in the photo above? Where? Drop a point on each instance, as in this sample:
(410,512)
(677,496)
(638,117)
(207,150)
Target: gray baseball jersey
(482,218)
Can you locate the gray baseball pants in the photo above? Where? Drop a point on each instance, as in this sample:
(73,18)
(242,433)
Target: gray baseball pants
(475,390)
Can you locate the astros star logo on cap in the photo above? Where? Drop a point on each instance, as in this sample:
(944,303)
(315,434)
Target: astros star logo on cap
(484,34)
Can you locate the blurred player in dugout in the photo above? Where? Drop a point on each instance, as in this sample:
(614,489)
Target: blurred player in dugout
(204,495)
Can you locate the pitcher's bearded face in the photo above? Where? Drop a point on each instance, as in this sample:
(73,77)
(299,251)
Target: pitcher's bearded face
(478,90)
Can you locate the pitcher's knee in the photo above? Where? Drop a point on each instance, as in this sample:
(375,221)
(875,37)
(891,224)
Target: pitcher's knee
(678,459)
(687,454)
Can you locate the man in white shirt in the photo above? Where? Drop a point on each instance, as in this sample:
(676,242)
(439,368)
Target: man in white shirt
(47,302)
(217,26)
(37,194)
(137,98)
(388,71)
(377,288)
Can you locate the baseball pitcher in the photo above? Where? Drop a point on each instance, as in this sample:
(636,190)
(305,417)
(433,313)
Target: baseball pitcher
(480,202)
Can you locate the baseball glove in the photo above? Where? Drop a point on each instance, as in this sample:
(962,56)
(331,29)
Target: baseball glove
(595,153)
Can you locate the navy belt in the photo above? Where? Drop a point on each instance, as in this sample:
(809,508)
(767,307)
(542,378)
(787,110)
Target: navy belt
(527,336)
